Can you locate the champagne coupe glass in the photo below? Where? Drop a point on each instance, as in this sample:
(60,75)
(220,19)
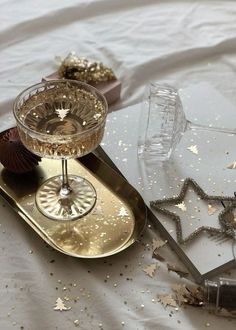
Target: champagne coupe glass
(163,123)
(62,119)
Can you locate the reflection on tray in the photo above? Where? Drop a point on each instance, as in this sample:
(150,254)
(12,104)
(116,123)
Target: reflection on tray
(116,221)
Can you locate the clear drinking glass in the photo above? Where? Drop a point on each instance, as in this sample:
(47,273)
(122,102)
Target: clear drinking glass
(163,123)
(62,119)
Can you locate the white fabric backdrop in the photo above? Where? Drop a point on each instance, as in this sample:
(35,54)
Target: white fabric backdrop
(176,41)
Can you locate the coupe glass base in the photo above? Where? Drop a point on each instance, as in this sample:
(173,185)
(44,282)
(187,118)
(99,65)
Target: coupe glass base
(58,206)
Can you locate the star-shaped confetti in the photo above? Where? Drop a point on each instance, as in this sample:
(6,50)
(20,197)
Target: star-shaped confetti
(157,243)
(180,289)
(150,269)
(62,113)
(182,206)
(60,306)
(123,212)
(159,205)
(211,209)
(167,300)
(180,293)
(193,149)
(188,295)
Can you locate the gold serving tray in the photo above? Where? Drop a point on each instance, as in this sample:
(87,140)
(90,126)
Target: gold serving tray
(115,222)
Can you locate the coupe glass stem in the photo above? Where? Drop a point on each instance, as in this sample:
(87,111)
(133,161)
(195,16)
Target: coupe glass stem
(65,187)
(193,126)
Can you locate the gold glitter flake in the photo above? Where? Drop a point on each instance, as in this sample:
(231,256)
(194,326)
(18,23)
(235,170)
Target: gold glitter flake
(82,69)
(211,209)
(123,212)
(232,166)
(188,295)
(180,289)
(76,323)
(62,113)
(182,206)
(60,306)
(167,300)
(150,269)
(157,244)
(193,149)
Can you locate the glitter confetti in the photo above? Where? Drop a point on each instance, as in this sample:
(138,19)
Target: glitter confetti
(232,166)
(167,300)
(193,296)
(211,209)
(193,149)
(123,212)
(150,269)
(60,306)
(182,206)
(76,323)
(157,243)
(180,289)
(62,113)
(180,293)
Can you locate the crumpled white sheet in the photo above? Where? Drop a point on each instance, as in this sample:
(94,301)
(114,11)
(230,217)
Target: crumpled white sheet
(142,40)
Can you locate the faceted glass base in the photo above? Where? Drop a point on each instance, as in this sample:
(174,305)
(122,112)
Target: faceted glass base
(54,204)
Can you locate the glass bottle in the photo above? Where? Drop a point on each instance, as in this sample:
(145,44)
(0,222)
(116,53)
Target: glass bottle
(220,296)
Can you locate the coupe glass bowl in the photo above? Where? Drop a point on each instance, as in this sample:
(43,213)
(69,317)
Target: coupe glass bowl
(62,119)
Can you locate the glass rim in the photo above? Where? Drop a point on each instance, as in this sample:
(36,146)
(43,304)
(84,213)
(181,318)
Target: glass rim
(43,83)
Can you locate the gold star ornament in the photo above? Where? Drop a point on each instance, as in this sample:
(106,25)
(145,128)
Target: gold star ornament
(160,206)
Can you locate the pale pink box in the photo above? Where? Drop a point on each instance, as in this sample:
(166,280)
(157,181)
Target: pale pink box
(110,89)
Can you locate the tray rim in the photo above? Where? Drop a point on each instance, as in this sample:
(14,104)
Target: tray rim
(91,159)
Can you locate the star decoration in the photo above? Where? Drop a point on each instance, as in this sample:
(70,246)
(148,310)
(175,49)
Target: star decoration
(150,269)
(159,205)
(193,149)
(60,306)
